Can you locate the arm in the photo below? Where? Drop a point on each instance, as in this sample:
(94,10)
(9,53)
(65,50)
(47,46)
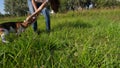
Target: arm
(34,5)
(37,11)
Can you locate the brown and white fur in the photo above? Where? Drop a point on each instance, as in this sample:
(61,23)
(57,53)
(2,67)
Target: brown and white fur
(16,27)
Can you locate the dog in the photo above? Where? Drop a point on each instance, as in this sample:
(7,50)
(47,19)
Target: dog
(15,27)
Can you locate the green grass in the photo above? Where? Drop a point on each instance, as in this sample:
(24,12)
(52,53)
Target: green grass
(86,39)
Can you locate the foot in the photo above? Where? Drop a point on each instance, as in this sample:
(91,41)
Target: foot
(38,32)
(48,31)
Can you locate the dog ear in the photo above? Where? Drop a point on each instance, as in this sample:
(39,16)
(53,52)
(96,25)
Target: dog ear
(31,20)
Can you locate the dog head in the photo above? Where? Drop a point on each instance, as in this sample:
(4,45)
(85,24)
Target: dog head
(26,22)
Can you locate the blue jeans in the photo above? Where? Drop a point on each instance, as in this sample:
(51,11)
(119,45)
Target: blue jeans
(44,11)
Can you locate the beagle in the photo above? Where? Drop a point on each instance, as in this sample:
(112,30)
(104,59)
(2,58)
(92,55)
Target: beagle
(15,27)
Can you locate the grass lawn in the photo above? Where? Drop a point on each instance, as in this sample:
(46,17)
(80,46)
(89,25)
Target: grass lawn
(85,39)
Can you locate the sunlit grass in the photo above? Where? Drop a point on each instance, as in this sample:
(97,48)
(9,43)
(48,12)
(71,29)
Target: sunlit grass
(85,39)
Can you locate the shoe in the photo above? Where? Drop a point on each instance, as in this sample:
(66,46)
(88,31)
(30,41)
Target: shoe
(48,31)
(37,32)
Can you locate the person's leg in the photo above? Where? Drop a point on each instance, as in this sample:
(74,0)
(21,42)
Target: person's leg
(34,25)
(46,14)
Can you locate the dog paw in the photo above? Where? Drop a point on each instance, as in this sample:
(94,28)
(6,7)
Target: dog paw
(5,41)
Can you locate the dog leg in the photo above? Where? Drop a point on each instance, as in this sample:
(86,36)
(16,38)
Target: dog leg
(20,30)
(3,38)
(3,33)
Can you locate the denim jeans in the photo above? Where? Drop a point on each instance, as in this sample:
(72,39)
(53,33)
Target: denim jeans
(44,11)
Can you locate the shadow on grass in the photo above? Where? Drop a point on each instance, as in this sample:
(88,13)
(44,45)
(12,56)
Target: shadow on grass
(72,24)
